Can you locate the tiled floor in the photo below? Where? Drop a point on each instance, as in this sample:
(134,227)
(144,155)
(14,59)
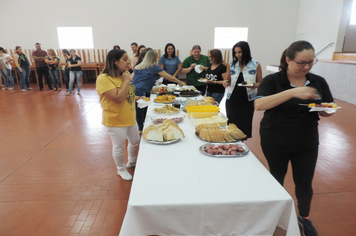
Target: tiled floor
(57,176)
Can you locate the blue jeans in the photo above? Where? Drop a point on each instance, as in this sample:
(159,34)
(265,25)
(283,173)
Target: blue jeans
(75,75)
(24,77)
(56,78)
(217,96)
(6,74)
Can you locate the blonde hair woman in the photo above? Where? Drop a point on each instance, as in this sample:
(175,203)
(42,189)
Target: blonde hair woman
(146,74)
(53,65)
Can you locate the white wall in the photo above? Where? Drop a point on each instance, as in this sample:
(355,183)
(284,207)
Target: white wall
(318,23)
(154,23)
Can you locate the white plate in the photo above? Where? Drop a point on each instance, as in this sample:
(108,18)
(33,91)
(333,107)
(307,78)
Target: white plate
(245,85)
(197,69)
(142,103)
(327,110)
(164,142)
(202,81)
(238,154)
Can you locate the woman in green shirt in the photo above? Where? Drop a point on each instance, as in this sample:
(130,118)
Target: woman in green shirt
(189,65)
(53,64)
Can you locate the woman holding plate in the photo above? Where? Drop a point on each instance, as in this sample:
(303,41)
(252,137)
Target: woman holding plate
(239,99)
(145,75)
(216,75)
(289,131)
(117,98)
(195,67)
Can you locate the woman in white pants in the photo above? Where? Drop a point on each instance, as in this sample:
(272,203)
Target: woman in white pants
(117,98)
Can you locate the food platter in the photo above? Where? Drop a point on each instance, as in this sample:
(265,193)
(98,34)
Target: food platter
(173,113)
(193,94)
(164,142)
(166,109)
(197,135)
(238,154)
(158,119)
(162,102)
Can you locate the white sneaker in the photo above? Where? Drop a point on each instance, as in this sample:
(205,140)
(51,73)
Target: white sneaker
(130,165)
(124,174)
(3,88)
(23,90)
(11,89)
(31,89)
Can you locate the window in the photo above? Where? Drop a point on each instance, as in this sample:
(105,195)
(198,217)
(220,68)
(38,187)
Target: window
(75,37)
(353,13)
(227,37)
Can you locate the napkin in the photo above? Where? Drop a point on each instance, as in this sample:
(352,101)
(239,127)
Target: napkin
(142,103)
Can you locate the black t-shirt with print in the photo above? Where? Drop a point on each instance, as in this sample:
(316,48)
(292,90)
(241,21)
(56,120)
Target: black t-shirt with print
(74,62)
(216,75)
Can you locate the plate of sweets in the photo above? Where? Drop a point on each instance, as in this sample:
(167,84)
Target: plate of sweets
(166,99)
(159,89)
(166,109)
(328,107)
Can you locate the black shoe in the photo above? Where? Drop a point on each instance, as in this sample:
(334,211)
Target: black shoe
(41,89)
(50,88)
(306,227)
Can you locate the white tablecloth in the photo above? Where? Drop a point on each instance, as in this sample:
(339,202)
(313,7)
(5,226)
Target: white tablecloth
(179,191)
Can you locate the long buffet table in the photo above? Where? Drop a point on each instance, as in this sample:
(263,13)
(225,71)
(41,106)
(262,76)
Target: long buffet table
(179,191)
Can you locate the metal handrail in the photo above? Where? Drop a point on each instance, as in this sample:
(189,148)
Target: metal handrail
(322,50)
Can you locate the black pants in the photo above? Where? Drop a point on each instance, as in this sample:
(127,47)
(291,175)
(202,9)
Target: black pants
(202,89)
(303,167)
(43,71)
(140,117)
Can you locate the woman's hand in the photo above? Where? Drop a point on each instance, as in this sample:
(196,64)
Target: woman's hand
(20,70)
(138,98)
(226,83)
(203,67)
(304,93)
(126,76)
(193,65)
(180,83)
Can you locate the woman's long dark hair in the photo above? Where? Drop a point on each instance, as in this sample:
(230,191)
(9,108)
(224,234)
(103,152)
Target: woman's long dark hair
(166,53)
(291,52)
(66,52)
(246,53)
(138,50)
(110,67)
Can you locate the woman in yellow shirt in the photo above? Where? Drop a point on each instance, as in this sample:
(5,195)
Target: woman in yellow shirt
(117,98)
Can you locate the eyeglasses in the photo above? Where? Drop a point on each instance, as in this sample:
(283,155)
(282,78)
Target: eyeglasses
(310,63)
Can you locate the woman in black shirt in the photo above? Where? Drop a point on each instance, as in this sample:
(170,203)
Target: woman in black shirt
(289,132)
(216,74)
(74,63)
